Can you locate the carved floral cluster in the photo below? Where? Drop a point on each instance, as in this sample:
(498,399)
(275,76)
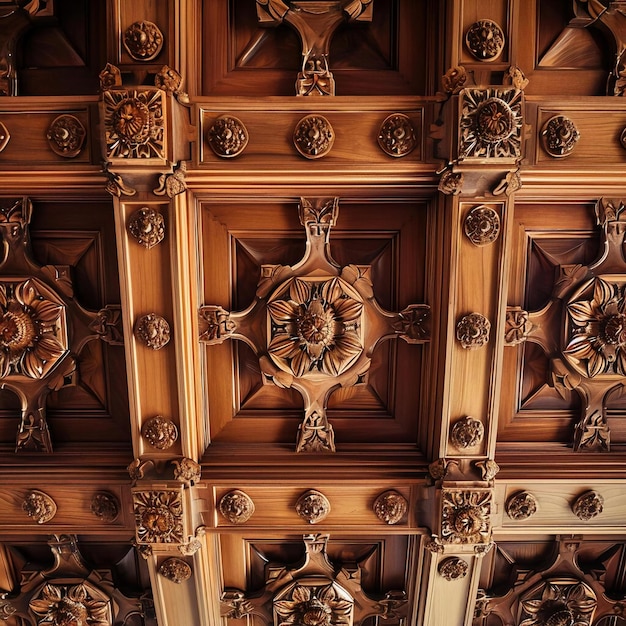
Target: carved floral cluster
(31,341)
(465,516)
(315,327)
(158,516)
(314,606)
(560,605)
(60,605)
(598,330)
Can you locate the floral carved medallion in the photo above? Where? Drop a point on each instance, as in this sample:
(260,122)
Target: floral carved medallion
(147,227)
(313,506)
(134,123)
(33,329)
(152,331)
(40,506)
(467,433)
(482,225)
(465,516)
(313,136)
(472,331)
(105,506)
(227,136)
(559,136)
(313,604)
(491,123)
(521,506)
(558,602)
(71,605)
(143,40)
(596,329)
(176,570)
(397,136)
(453,568)
(236,506)
(160,432)
(314,325)
(589,505)
(66,136)
(485,40)
(391,507)
(158,516)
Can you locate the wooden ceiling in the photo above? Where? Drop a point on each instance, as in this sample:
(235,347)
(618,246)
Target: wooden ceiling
(312,313)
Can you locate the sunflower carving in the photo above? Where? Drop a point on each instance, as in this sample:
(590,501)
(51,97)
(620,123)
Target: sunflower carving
(64,605)
(315,327)
(597,329)
(33,335)
(314,606)
(560,603)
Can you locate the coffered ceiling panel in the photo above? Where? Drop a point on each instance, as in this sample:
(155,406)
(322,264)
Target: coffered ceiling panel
(238,240)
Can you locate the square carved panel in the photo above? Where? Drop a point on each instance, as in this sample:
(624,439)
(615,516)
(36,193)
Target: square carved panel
(238,240)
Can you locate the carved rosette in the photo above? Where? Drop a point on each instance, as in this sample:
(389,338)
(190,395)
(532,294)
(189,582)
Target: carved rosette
(40,506)
(236,506)
(227,136)
(176,570)
(491,123)
(472,331)
(467,433)
(33,329)
(453,568)
(397,136)
(587,506)
(143,40)
(105,506)
(482,225)
(390,507)
(517,325)
(160,432)
(558,601)
(521,506)
(66,136)
(485,40)
(559,136)
(313,506)
(147,227)
(158,516)
(465,516)
(152,331)
(596,329)
(134,123)
(5,136)
(71,605)
(309,602)
(313,136)
(315,327)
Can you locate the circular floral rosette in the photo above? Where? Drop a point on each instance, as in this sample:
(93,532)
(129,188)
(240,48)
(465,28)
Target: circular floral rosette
(71,605)
(596,329)
(315,327)
(33,329)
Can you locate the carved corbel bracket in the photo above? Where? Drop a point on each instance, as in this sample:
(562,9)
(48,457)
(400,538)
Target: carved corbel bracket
(314,325)
(315,26)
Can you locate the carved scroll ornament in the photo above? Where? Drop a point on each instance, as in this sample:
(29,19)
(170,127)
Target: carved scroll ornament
(318,322)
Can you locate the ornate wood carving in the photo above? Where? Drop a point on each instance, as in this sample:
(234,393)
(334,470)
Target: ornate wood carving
(467,432)
(159,516)
(465,516)
(313,136)
(143,40)
(66,136)
(559,136)
(313,506)
(176,570)
(5,136)
(172,184)
(236,506)
(491,123)
(152,331)
(488,469)
(521,506)
(453,568)
(588,505)
(227,136)
(482,225)
(472,331)
(40,506)
(485,40)
(105,506)
(314,325)
(187,471)
(451,183)
(147,226)
(391,507)
(160,432)
(397,136)
(518,325)
(315,26)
